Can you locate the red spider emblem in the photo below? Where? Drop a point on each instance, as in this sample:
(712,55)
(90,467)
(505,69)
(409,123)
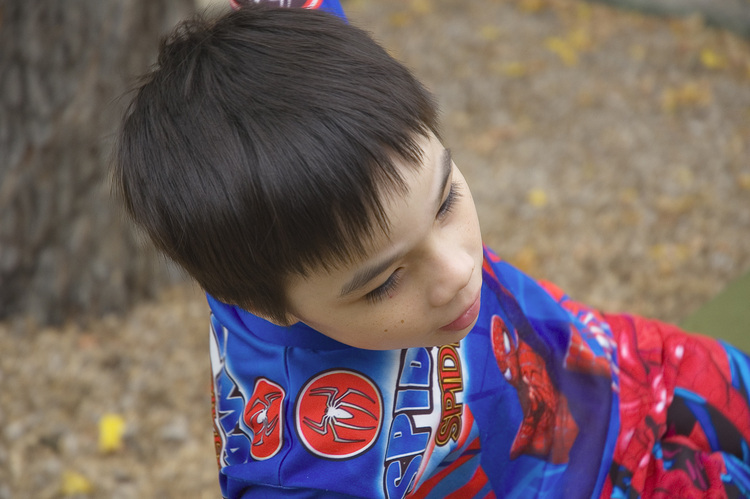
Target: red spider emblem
(263,416)
(339,414)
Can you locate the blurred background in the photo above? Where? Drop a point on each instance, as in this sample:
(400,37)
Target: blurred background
(607,146)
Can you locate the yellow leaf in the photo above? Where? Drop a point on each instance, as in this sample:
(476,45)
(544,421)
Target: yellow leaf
(111,430)
(531,5)
(712,60)
(564,50)
(744,181)
(583,11)
(692,93)
(669,99)
(489,32)
(657,251)
(537,198)
(514,69)
(668,257)
(687,95)
(74,483)
(421,6)
(579,39)
(400,19)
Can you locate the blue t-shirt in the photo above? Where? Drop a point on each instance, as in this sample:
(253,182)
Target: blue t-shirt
(524,406)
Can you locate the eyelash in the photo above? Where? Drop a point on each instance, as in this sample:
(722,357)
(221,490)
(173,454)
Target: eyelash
(381,292)
(385,289)
(450,201)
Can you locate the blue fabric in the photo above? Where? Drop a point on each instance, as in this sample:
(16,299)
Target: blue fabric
(300,415)
(332,6)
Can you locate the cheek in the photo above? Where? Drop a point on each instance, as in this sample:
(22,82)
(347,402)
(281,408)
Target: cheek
(469,221)
(409,313)
(472,217)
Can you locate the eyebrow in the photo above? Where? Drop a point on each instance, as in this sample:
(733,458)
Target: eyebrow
(367,274)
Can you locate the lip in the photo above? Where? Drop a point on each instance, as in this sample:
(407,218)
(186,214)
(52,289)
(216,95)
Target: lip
(467,318)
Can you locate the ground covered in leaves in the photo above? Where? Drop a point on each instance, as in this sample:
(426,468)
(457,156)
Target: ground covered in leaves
(607,152)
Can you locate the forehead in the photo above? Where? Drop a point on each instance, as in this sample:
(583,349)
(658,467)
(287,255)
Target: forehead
(407,212)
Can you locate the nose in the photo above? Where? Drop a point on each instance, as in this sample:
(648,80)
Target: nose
(451,272)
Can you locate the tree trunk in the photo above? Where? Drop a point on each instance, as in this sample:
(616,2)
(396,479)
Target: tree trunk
(65,250)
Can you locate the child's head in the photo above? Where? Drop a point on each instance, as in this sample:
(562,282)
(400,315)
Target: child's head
(262,146)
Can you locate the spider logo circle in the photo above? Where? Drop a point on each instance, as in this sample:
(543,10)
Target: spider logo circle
(339,414)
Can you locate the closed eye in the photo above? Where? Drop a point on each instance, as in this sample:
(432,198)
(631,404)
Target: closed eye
(386,289)
(450,201)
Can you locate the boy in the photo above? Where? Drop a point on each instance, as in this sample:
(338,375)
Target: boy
(364,343)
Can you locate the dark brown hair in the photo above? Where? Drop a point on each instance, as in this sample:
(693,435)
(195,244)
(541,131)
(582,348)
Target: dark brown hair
(262,145)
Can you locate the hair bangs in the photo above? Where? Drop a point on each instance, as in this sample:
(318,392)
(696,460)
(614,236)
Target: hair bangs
(267,143)
(328,196)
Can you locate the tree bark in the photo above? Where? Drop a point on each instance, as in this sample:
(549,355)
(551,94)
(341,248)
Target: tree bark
(65,250)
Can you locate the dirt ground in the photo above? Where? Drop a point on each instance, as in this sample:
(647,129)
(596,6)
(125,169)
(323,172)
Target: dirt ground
(607,152)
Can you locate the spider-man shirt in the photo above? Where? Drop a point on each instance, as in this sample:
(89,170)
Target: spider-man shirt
(545,397)
(332,6)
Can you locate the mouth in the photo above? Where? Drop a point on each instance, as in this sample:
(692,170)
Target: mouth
(466,318)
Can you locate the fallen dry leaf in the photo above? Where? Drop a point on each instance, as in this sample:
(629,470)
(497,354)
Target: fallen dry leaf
(111,431)
(712,60)
(537,198)
(73,483)
(689,94)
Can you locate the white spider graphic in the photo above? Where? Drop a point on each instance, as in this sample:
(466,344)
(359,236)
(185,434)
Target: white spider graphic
(260,416)
(337,412)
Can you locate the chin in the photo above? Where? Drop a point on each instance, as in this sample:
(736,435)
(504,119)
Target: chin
(446,338)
